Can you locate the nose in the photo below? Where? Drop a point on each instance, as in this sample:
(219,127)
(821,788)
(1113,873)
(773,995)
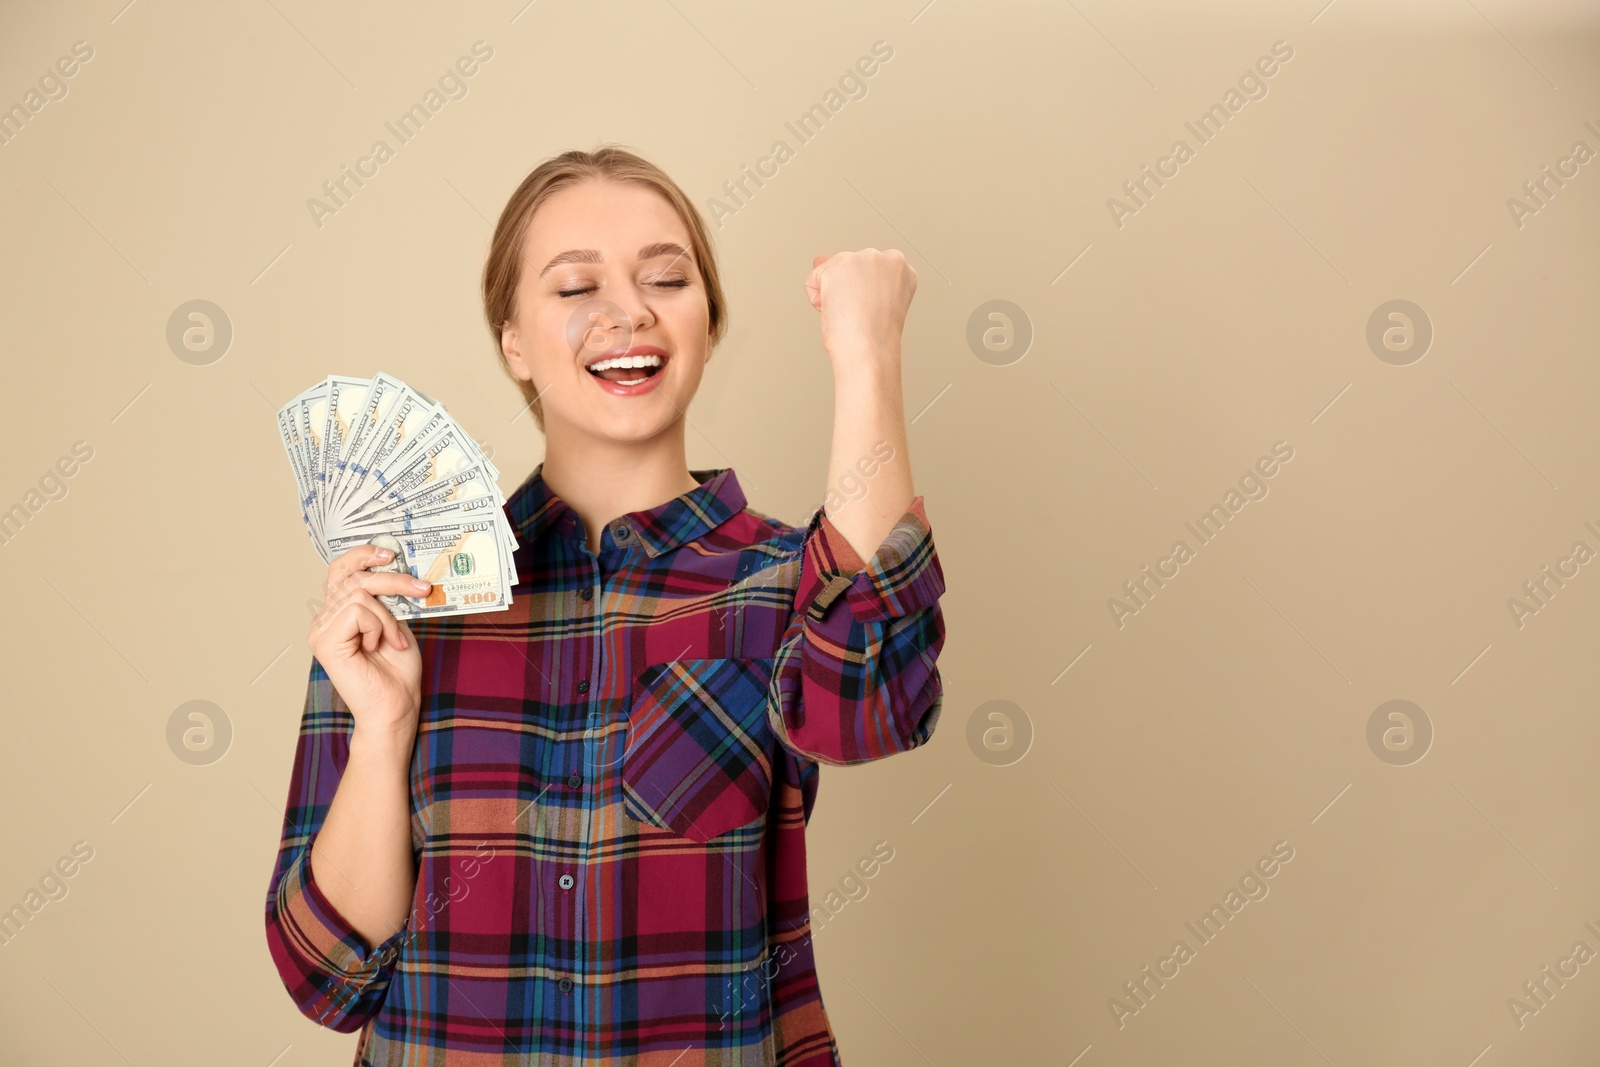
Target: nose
(601,325)
(633,298)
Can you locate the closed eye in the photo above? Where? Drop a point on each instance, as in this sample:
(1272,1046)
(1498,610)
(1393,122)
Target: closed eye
(673,283)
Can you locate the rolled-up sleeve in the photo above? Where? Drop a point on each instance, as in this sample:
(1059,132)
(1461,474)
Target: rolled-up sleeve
(333,976)
(856,677)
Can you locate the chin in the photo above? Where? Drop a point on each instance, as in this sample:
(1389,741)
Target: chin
(636,428)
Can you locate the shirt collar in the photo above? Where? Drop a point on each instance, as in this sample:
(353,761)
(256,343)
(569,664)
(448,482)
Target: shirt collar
(534,508)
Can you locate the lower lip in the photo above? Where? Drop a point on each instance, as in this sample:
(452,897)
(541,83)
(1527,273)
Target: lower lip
(619,389)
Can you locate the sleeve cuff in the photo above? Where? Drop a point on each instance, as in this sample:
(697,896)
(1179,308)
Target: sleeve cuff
(316,929)
(903,575)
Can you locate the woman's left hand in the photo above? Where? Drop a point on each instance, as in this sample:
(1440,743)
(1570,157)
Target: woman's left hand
(863,297)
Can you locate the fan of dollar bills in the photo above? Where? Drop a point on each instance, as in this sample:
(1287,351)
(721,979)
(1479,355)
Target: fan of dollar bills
(379,461)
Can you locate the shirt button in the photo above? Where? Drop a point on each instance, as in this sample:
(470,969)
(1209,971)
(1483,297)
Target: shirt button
(586,593)
(565,881)
(621,532)
(574,779)
(583,686)
(565,984)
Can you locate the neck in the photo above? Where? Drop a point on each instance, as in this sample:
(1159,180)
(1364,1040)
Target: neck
(603,479)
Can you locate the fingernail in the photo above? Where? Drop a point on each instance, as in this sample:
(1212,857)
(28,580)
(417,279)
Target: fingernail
(383,554)
(419,585)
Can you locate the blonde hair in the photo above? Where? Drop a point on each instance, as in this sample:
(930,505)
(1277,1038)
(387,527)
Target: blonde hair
(503,269)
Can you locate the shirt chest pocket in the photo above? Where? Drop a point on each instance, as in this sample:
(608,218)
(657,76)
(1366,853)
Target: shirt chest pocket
(699,749)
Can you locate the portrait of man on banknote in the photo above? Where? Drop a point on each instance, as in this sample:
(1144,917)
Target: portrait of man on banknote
(393,601)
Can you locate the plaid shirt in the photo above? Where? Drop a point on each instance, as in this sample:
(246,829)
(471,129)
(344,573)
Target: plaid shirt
(610,787)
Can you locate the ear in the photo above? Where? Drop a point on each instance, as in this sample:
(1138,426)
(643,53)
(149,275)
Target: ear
(511,347)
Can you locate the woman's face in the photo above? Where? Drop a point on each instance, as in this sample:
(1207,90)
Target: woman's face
(608,267)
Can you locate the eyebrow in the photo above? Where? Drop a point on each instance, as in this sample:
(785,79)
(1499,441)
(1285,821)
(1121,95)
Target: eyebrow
(590,255)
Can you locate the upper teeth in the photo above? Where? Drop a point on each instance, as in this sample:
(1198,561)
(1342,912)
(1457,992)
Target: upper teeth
(626,361)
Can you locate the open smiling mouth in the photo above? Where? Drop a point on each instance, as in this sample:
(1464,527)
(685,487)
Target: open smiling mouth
(628,371)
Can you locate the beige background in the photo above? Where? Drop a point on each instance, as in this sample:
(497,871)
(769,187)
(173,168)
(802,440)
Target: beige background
(1228,314)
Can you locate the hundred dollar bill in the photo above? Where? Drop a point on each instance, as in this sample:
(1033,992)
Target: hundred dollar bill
(340,403)
(375,405)
(443,471)
(379,462)
(468,490)
(443,455)
(402,462)
(311,419)
(307,442)
(503,533)
(307,498)
(406,418)
(477,498)
(465,561)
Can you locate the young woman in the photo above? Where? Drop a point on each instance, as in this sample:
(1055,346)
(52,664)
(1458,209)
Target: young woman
(573,832)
